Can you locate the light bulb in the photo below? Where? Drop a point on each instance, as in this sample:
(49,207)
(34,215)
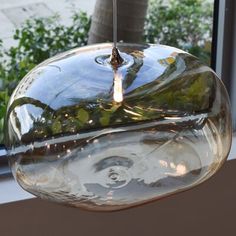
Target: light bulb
(118,88)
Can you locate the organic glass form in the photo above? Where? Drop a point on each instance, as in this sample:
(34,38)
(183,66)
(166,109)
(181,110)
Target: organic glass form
(83,133)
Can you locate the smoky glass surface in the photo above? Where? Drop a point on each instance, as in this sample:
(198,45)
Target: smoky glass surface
(83,133)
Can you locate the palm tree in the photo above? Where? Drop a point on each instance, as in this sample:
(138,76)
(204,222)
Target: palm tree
(131,18)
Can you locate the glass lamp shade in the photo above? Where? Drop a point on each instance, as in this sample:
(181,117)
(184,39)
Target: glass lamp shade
(83,133)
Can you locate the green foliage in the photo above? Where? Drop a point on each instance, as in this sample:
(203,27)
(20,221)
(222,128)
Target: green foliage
(37,40)
(40,39)
(185,24)
(82,116)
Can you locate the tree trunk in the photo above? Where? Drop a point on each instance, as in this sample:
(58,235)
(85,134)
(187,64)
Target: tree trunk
(131,19)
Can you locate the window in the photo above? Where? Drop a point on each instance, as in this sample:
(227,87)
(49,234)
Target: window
(184,24)
(219,51)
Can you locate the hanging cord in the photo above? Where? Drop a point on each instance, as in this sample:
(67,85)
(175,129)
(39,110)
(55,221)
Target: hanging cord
(116,59)
(115,23)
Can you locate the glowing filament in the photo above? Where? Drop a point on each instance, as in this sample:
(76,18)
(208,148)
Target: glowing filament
(118,89)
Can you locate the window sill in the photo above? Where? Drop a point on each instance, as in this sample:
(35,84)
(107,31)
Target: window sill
(10,191)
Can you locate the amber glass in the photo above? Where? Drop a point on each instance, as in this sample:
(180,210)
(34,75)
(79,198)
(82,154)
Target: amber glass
(82,133)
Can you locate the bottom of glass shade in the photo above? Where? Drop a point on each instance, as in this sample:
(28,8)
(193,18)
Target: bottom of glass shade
(126,166)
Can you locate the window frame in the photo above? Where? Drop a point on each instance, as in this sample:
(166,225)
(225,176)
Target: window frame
(224,48)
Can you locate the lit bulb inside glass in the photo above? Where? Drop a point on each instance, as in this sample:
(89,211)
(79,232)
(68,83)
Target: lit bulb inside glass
(82,133)
(118,88)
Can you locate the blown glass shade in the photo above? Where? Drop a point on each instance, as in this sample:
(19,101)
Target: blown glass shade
(87,134)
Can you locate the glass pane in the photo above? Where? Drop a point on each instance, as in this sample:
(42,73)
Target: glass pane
(185,24)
